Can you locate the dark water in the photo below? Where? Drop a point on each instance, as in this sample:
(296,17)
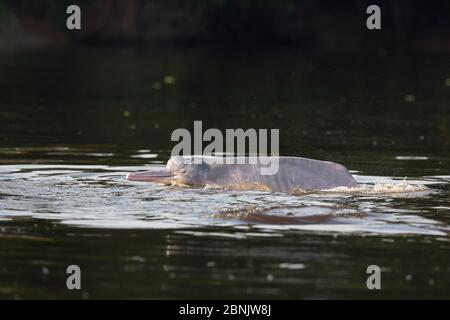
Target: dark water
(74,122)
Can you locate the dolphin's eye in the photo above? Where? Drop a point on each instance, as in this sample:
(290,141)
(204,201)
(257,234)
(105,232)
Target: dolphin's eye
(183,171)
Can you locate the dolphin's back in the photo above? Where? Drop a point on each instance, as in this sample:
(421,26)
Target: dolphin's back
(309,174)
(293,173)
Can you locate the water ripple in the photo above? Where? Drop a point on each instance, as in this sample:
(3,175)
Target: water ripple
(99,196)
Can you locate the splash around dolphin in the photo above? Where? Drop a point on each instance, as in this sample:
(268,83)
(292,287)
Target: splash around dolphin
(293,174)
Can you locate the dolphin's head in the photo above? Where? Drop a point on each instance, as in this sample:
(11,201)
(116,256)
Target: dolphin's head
(179,170)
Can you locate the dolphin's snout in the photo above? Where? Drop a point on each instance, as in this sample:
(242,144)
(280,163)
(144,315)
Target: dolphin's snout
(159,175)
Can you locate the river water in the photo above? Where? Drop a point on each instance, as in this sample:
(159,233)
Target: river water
(73,123)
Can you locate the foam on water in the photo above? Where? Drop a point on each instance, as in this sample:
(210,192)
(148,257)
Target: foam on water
(382,188)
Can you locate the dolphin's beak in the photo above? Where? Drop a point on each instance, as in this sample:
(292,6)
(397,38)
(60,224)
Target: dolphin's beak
(158,175)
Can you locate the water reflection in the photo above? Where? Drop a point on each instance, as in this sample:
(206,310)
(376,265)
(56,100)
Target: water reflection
(100,197)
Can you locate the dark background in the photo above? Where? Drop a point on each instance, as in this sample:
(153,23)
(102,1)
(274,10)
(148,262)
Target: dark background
(330,26)
(81,109)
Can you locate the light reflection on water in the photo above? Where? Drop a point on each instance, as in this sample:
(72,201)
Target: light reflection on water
(172,242)
(99,196)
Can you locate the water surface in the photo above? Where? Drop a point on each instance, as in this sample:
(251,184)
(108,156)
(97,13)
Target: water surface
(73,123)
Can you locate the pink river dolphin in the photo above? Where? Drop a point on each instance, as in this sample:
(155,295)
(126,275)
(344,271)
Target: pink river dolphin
(294,174)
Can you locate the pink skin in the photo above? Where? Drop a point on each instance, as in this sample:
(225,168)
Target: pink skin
(158,175)
(294,173)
